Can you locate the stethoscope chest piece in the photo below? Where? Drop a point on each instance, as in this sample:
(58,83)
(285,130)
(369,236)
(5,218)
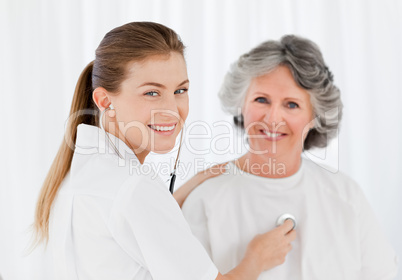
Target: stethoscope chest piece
(284,217)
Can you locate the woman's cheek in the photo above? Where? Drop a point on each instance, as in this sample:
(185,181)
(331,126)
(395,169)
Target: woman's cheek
(184,108)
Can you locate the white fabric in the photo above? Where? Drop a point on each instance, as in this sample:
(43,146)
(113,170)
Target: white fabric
(111,222)
(337,233)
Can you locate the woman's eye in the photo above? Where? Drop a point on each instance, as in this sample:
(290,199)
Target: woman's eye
(292,105)
(261,100)
(181,91)
(152,93)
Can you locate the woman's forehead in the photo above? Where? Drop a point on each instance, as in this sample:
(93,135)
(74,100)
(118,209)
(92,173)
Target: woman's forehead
(277,83)
(162,69)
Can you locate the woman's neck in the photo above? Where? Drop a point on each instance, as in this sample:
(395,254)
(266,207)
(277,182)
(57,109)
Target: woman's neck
(268,165)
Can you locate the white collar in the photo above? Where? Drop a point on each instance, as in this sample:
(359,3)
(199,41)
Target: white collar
(92,139)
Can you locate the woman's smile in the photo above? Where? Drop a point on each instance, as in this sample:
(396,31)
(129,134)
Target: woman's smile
(163,129)
(272,136)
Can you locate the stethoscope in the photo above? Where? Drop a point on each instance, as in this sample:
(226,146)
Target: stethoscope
(282,218)
(172,175)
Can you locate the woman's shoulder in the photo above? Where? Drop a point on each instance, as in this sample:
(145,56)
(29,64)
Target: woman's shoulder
(214,187)
(333,181)
(104,175)
(325,171)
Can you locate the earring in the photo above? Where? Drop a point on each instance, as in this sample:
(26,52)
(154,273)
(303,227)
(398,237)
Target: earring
(239,121)
(112,114)
(111,111)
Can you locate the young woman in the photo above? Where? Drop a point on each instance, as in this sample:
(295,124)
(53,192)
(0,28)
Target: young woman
(102,218)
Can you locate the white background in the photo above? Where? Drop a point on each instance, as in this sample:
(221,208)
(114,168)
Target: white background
(45,44)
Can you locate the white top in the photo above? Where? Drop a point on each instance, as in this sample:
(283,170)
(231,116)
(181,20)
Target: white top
(338,236)
(110,222)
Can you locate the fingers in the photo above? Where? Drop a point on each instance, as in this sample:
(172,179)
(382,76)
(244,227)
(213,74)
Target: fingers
(286,227)
(273,246)
(290,247)
(291,236)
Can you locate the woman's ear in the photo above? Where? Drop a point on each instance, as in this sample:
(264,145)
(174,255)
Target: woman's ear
(308,127)
(312,123)
(101,98)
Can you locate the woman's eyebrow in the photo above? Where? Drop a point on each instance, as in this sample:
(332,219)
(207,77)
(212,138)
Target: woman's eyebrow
(152,84)
(293,98)
(184,82)
(286,98)
(160,85)
(259,93)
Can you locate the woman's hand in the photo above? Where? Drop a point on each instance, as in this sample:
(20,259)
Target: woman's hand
(181,194)
(264,252)
(270,249)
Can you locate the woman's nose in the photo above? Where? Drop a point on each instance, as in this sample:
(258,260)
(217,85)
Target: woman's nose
(273,116)
(169,108)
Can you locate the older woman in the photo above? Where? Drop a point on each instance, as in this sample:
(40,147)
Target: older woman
(288,103)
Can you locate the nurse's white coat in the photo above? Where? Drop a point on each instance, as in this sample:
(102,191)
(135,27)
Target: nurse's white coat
(109,221)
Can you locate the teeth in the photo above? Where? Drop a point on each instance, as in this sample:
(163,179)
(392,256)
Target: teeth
(272,135)
(162,128)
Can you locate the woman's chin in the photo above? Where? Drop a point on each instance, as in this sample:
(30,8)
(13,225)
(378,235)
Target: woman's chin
(163,149)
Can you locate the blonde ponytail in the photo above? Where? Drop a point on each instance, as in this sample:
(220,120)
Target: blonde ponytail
(61,165)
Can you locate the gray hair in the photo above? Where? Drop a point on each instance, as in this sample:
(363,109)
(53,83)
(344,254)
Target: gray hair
(304,59)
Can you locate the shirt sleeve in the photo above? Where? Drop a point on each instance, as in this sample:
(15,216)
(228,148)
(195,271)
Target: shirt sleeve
(379,261)
(147,219)
(194,212)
